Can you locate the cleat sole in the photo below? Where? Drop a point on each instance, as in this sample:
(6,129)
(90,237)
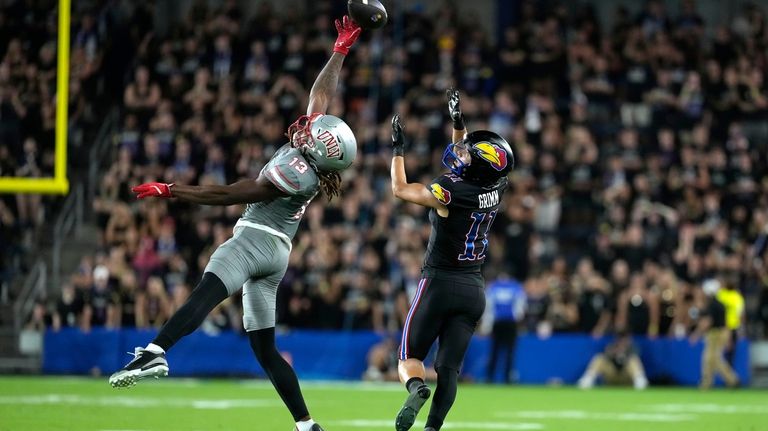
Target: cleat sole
(407,414)
(126,379)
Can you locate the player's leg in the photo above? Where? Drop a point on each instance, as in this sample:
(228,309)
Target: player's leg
(259,304)
(226,271)
(150,361)
(282,376)
(422,325)
(455,335)
(209,293)
(412,374)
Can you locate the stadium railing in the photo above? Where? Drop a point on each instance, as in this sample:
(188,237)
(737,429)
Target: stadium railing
(34,286)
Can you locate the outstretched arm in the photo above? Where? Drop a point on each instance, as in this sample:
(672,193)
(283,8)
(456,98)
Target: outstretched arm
(410,192)
(325,84)
(454,109)
(241,192)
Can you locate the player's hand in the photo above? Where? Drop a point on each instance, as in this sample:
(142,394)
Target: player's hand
(348,33)
(158,190)
(454,104)
(398,137)
(454,108)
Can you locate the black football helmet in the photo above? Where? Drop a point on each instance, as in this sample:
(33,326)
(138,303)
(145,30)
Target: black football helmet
(491,158)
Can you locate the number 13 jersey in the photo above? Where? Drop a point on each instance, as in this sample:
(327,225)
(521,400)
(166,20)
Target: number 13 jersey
(459,242)
(290,172)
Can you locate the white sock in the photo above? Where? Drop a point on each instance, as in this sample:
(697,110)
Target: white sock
(304,425)
(154,348)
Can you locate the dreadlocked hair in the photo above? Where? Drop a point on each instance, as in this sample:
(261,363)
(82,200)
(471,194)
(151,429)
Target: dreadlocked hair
(330,184)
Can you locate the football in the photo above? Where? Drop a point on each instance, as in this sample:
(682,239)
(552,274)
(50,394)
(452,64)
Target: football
(368,14)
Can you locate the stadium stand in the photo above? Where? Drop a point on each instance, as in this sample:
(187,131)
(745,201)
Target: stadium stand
(640,148)
(28,35)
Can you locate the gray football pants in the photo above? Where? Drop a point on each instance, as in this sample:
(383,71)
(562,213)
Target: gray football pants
(256,261)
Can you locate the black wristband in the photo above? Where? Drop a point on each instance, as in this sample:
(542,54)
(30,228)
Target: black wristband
(398,150)
(459,124)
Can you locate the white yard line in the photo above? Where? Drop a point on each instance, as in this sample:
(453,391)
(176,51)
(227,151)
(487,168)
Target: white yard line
(388,424)
(138,402)
(602,416)
(332,385)
(711,408)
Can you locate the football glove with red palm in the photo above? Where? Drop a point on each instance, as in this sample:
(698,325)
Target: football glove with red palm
(158,190)
(348,33)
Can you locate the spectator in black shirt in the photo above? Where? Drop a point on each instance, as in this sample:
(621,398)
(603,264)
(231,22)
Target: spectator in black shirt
(100,302)
(638,309)
(69,307)
(595,306)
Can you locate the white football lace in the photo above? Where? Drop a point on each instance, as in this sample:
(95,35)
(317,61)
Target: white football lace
(136,352)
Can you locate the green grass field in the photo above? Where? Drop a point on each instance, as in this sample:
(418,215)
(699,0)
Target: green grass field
(75,404)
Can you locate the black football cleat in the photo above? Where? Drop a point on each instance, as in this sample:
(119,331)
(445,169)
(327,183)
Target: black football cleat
(144,364)
(407,414)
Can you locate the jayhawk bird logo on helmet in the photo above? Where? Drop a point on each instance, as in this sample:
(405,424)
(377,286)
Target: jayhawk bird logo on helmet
(493,154)
(491,158)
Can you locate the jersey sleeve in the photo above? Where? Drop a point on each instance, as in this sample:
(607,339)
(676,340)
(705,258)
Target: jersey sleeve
(292,175)
(443,189)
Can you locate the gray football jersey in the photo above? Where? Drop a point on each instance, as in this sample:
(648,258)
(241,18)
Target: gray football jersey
(290,172)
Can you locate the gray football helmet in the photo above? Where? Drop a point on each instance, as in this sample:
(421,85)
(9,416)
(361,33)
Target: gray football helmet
(325,140)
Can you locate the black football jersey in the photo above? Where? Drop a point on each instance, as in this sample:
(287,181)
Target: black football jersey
(459,242)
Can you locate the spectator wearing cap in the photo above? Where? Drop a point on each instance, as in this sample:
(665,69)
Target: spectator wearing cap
(100,307)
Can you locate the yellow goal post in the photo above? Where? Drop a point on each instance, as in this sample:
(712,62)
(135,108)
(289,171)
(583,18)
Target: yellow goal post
(58,184)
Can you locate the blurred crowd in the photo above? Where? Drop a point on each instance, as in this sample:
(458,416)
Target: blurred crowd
(641,154)
(28,52)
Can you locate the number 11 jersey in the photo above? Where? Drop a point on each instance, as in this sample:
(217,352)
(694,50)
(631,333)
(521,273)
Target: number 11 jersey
(459,242)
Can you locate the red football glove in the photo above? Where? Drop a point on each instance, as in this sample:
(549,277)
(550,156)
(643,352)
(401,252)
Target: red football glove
(348,32)
(159,190)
